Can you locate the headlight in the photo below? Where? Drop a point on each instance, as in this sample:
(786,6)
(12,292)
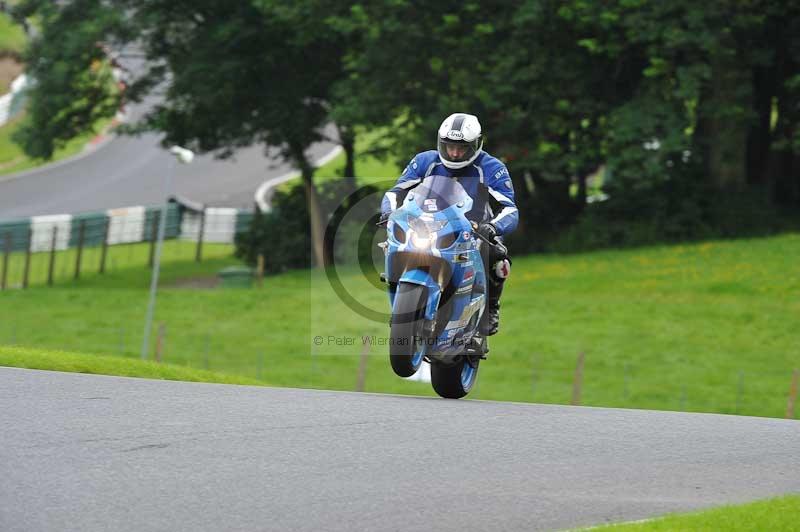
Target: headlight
(420,241)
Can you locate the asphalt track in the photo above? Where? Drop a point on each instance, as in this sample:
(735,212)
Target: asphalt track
(124,171)
(92,453)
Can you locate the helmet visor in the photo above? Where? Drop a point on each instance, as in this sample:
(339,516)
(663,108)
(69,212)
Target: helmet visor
(457,151)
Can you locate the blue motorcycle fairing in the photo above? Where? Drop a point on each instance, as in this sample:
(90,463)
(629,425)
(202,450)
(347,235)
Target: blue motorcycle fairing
(434,214)
(421,277)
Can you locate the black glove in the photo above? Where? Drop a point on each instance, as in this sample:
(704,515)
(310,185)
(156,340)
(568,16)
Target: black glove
(488,231)
(384,218)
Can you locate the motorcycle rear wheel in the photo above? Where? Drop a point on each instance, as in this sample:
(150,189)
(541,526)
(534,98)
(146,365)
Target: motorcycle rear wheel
(454,381)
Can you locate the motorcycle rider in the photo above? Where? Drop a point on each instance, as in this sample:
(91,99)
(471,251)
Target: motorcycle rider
(460,155)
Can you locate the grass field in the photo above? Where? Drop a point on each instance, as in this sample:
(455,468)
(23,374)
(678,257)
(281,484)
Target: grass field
(704,327)
(119,257)
(12,37)
(109,365)
(775,515)
(13,159)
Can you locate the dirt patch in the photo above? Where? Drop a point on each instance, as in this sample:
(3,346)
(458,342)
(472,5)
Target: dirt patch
(208,282)
(9,70)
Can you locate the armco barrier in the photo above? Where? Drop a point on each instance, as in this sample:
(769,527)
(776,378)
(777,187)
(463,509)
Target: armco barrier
(185,221)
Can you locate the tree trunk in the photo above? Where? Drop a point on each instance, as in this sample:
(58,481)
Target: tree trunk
(522,198)
(784,159)
(726,122)
(583,177)
(348,139)
(759,135)
(784,163)
(315,213)
(554,206)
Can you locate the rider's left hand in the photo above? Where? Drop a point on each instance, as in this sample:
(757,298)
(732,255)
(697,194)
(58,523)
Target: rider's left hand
(488,231)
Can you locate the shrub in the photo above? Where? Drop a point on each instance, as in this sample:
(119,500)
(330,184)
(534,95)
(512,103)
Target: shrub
(283,235)
(673,211)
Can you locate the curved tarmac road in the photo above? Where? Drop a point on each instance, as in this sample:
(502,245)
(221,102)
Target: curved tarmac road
(125,171)
(82,452)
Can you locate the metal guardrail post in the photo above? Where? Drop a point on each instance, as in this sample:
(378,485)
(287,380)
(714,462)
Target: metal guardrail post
(185,156)
(154,237)
(51,267)
(6,256)
(27,270)
(81,237)
(104,251)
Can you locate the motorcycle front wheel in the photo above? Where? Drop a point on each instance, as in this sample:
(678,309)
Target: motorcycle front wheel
(454,381)
(407,348)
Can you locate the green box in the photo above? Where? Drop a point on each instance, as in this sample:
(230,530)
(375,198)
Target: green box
(236,277)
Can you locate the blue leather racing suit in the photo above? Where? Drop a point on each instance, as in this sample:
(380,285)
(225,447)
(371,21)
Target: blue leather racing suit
(486,180)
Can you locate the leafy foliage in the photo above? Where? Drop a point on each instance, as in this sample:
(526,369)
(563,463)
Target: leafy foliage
(74,84)
(282,235)
(678,96)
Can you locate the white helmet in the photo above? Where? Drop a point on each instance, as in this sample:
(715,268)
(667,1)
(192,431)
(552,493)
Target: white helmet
(463,132)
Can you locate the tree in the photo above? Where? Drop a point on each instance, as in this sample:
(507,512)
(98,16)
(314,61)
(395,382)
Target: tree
(541,97)
(239,73)
(230,74)
(716,75)
(74,83)
(658,93)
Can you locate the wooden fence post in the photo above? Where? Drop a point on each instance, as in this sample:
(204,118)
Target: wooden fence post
(27,270)
(792,395)
(260,270)
(104,251)
(577,382)
(81,236)
(52,265)
(206,351)
(362,367)
(6,257)
(626,391)
(739,393)
(162,331)
(198,256)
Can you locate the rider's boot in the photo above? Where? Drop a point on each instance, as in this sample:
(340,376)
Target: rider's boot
(490,321)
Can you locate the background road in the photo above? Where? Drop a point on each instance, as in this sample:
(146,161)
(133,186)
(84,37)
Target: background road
(130,171)
(82,452)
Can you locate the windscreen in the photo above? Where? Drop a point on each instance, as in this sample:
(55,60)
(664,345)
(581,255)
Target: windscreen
(436,193)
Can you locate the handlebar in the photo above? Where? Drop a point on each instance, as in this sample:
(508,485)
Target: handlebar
(499,248)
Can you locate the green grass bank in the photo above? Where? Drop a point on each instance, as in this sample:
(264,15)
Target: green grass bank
(708,327)
(12,37)
(20,357)
(774,515)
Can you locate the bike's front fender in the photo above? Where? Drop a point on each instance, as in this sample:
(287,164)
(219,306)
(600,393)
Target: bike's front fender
(423,278)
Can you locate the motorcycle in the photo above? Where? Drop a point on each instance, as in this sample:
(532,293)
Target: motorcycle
(437,286)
